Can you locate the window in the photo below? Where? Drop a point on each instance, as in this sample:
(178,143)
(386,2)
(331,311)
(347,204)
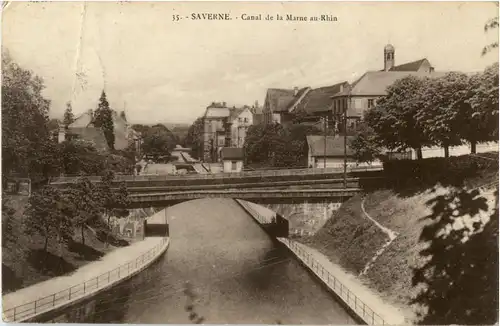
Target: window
(246,119)
(233,165)
(239,119)
(371,103)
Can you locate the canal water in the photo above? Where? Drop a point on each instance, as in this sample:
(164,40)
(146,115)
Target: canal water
(237,274)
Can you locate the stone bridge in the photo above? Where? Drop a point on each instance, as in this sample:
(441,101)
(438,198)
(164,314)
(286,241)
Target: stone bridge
(302,210)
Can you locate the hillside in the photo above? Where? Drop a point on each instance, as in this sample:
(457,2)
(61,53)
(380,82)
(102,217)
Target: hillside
(442,265)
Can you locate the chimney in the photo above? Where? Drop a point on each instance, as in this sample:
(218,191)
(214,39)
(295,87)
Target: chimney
(256,104)
(341,88)
(295,91)
(223,104)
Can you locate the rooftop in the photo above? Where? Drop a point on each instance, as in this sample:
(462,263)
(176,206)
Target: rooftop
(319,99)
(334,145)
(232,153)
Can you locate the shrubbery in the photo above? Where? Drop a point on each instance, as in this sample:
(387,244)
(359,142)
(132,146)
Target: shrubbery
(447,171)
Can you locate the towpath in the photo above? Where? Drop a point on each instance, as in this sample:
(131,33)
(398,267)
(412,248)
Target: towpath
(55,291)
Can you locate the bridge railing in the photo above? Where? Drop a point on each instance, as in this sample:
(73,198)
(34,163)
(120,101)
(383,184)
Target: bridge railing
(32,308)
(259,173)
(349,297)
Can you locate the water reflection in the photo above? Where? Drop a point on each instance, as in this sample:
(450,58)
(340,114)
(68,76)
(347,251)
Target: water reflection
(237,274)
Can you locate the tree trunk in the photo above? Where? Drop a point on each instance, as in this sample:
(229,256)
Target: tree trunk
(419,153)
(83,234)
(109,230)
(473,146)
(45,248)
(446,151)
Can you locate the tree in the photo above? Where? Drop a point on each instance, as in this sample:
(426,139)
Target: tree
(278,146)
(482,109)
(7,220)
(87,202)
(80,158)
(103,118)
(158,140)
(444,99)
(47,215)
(24,117)
(491,24)
(365,146)
(69,117)
(194,138)
(114,202)
(393,119)
(123,116)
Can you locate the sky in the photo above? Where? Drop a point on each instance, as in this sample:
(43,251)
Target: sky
(159,70)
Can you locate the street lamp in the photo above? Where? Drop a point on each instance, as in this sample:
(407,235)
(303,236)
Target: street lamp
(324,157)
(347,107)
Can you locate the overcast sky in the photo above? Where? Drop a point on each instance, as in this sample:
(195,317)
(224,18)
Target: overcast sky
(166,71)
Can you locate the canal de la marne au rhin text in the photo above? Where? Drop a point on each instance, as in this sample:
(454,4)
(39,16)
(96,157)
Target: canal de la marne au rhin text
(254,17)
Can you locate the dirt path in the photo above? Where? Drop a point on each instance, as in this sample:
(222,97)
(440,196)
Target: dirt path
(391,234)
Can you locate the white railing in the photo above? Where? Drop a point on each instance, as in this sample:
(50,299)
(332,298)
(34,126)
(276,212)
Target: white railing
(32,308)
(258,173)
(349,297)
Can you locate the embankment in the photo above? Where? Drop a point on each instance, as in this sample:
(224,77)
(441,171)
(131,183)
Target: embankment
(358,300)
(25,262)
(441,267)
(44,301)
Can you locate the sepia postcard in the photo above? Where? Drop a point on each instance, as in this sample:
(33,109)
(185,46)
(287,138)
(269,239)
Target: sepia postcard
(217,162)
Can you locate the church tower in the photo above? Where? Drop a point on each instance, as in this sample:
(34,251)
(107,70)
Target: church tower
(388,57)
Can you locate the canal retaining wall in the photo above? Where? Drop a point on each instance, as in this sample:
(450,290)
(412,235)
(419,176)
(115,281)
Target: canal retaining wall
(52,306)
(363,305)
(359,302)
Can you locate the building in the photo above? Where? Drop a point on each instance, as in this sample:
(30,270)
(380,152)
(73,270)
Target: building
(240,120)
(331,156)
(258,115)
(232,159)
(279,103)
(316,104)
(224,127)
(215,125)
(83,128)
(366,90)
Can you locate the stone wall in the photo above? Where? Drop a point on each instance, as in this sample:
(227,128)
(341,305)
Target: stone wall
(303,217)
(132,226)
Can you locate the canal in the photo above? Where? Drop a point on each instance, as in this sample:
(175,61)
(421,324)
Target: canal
(238,275)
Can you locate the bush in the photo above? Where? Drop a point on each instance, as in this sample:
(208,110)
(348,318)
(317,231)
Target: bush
(447,171)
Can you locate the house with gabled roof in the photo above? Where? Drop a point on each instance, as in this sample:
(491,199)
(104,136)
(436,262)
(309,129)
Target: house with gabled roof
(83,128)
(279,103)
(363,93)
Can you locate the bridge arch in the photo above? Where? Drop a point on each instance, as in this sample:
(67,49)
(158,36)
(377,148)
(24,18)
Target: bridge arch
(281,217)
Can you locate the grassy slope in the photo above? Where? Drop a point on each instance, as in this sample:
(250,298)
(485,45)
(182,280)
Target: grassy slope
(458,281)
(23,261)
(348,238)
